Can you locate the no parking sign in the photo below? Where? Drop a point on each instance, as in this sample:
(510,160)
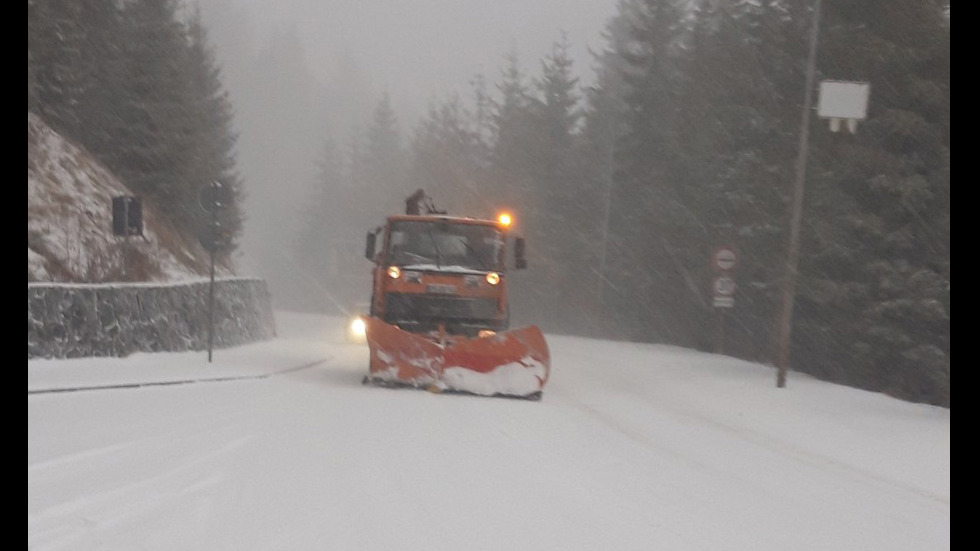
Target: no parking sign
(724,259)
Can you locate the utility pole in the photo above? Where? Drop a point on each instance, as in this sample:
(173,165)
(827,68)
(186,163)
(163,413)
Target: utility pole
(793,256)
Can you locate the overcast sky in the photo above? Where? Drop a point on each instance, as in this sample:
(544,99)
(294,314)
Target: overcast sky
(415,49)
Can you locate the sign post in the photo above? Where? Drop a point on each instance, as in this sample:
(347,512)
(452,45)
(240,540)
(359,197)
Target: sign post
(723,260)
(212,200)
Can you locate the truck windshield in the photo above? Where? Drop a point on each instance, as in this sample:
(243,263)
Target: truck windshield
(445,245)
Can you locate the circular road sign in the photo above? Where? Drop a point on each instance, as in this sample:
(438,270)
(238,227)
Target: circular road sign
(724,259)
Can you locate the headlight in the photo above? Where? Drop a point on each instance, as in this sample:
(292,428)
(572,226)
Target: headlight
(394,272)
(357,327)
(493,278)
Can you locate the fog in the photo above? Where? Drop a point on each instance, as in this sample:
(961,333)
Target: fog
(300,72)
(633,139)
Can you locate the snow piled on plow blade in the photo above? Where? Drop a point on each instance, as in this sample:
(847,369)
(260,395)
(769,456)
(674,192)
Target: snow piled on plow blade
(514,379)
(513,363)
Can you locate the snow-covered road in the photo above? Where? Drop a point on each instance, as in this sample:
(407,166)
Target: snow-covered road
(632,447)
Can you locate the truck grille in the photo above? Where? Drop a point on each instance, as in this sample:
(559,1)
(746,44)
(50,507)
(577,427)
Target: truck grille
(401,307)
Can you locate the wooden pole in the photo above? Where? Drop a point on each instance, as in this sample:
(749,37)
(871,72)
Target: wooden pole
(793,257)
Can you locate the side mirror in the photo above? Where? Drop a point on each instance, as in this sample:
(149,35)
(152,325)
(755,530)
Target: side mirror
(372,239)
(520,262)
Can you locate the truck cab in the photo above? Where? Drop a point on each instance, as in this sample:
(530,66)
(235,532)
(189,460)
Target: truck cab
(438,274)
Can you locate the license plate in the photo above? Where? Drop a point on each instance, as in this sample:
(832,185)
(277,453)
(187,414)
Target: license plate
(437,289)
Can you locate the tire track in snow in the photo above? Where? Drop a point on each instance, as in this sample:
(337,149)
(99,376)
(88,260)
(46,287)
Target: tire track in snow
(68,524)
(813,459)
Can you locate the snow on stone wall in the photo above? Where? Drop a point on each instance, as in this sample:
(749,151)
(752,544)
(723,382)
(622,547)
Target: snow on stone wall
(75,320)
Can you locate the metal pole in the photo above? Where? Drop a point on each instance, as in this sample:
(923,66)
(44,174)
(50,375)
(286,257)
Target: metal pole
(125,259)
(603,244)
(719,330)
(212,239)
(793,258)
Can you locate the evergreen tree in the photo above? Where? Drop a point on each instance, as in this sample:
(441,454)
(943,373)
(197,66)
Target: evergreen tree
(213,154)
(141,91)
(58,73)
(605,125)
(652,226)
(513,158)
(73,68)
(331,242)
(448,160)
(736,151)
(383,164)
(157,111)
(482,119)
(875,282)
(563,224)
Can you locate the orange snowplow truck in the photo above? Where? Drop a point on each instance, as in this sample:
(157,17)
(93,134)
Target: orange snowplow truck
(439,315)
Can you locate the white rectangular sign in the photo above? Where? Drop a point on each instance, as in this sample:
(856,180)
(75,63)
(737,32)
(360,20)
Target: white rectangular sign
(843,100)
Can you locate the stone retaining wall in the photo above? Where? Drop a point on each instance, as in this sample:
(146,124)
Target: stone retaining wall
(76,320)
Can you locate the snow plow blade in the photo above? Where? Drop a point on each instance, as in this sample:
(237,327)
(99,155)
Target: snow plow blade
(513,363)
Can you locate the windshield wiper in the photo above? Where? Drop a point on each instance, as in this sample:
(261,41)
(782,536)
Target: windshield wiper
(428,231)
(476,255)
(418,257)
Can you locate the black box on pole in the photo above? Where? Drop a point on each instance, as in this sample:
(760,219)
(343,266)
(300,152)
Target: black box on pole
(127,216)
